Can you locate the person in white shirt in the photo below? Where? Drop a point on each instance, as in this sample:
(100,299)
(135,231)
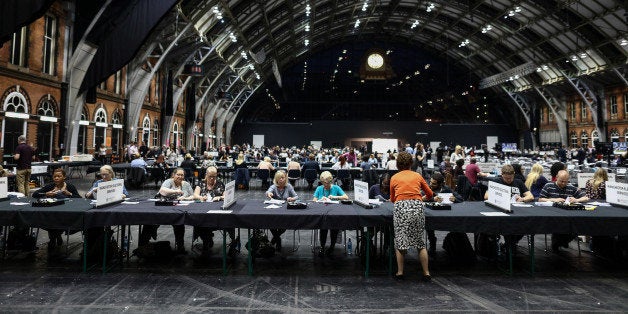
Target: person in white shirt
(457,154)
(391,164)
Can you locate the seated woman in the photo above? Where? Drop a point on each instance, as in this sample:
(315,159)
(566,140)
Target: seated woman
(94,236)
(58,189)
(211,190)
(175,188)
(596,187)
(106,174)
(280,190)
(535,180)
(328,192)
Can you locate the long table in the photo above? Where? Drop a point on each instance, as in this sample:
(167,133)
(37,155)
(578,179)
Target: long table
(466,217)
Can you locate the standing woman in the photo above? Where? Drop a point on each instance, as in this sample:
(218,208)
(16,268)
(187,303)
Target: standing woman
(408,217)
(419,156)
(280,190)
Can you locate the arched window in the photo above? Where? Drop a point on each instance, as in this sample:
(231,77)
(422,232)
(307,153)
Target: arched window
(146,130)
(46,127)
(82,137)
(574,140)
(14,124)
(100,131)
(156,132)
(614,135)
(584,139)
(116,121)
(175,135)
(595,136)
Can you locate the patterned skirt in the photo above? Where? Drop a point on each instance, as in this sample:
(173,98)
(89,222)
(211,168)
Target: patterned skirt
(409,224)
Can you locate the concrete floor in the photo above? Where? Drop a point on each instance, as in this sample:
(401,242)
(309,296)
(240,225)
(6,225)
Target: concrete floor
(300,281)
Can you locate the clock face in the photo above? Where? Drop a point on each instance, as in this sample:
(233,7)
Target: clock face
(375,61)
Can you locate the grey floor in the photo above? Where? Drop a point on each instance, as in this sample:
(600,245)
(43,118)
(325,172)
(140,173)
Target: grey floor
(300,281)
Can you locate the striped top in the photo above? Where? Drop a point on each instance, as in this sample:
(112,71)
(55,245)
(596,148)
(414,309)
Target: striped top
(551,190)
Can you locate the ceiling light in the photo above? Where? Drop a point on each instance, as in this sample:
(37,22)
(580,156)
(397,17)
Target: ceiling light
(430,7)
(357,23)
(215,10)
(624,42)
(306,42)
(415,24)
(583,55)
(574,58)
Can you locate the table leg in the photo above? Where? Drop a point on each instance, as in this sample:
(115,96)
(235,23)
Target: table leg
(250,257)
(391,249)
(104,253)
(532,257)
(84,251)
(224,252)
(368,253)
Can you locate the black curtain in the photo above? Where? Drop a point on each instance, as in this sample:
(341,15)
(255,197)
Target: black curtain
(125,27)
(190,112)
(18,13)
(168,109)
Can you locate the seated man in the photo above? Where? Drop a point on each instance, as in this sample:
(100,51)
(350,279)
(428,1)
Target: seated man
(437,184)
(519,191)
(562,191)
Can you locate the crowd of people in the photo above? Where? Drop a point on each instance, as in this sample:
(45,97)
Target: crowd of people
(406,188)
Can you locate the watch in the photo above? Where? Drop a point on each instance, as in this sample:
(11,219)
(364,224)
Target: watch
(375,61)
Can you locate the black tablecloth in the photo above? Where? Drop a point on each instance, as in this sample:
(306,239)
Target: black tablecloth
(8,213)
(65,216)
(143,213)
(468,217)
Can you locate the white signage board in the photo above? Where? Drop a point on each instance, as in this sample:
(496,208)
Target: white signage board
(499,195)
(430,164)
(4,184)
(229,194)
(586,176)
(382,145)
(258,140)
(361,191)
(39,169)
(617,193)
(109,192)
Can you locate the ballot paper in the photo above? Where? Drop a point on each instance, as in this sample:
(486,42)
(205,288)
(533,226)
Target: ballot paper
(274,201)
(130,203)
(328,201)
(493,214)
(19,203)
(375,201)
(219,211)
(445,197)
(272,206)
(521,205)
(543,203)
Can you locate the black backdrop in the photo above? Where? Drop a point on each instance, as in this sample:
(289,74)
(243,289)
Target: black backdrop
(334,133)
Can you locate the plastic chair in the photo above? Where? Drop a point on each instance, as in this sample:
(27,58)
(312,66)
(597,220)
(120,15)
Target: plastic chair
(344,176)
(310,175)
(293,176)
(263,175)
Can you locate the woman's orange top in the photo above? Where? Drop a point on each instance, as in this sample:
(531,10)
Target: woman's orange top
(407,185)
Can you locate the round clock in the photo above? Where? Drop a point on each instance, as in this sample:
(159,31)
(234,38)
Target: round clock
(375,61)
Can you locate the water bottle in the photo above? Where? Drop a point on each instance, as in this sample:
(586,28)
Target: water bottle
(349,247)
(125,245)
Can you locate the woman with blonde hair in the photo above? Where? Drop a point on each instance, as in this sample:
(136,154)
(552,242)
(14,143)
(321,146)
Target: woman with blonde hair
(535,180)
(596,187)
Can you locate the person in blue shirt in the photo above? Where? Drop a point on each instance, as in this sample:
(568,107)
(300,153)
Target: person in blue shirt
(324,193)
(106,174)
